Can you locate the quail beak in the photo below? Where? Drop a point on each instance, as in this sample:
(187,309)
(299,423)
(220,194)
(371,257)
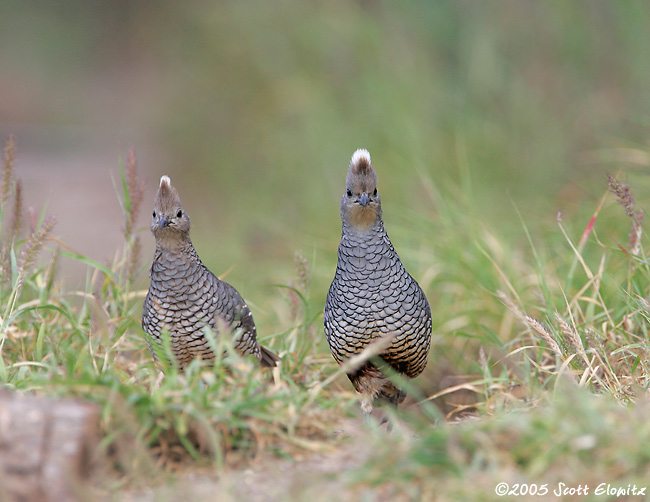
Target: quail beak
(163,222)
(364,200)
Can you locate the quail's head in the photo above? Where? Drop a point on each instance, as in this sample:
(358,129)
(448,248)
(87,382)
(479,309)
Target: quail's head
(361,205)
(169,223)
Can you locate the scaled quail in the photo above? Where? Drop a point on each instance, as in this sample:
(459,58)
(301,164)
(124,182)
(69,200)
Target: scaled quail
(372,296)
(184,296)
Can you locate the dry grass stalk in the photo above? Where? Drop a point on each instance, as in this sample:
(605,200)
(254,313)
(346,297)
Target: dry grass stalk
(570,335)
(302,271)
(34,244)
(17,214)
(543,333)
(135,189)
(32,247)
(357,361)
(507,301)
(134,259)
(625,198)
(533,324)
(135,195)
(595,345)
(7,172)
(5,264)
(51,268)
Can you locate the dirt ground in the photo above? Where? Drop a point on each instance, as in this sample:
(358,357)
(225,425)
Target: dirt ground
(310,476)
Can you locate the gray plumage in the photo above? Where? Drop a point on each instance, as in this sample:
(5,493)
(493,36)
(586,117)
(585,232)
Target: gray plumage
(372,296)
(184,296)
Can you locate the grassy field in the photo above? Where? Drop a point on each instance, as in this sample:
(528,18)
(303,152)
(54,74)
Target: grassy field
(538,374)
(512,159)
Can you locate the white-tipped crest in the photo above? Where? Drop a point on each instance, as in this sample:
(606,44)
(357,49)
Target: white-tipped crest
(165,179)
(358,155)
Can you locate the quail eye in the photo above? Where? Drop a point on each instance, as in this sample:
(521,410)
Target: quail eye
(349,193)
(179,214)
(375,192)
(154,214)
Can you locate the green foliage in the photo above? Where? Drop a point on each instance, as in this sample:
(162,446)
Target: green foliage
(575,438)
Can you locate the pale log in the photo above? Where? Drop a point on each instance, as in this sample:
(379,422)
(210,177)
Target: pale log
(45,447)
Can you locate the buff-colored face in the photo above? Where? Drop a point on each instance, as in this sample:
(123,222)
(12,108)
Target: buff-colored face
(361,205)
(169,220)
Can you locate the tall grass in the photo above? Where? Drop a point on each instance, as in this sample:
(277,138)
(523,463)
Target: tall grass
(524,336)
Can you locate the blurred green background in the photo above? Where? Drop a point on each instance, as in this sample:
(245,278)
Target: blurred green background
(254,109)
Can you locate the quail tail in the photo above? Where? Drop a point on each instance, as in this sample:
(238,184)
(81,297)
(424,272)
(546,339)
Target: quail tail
(268,359)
